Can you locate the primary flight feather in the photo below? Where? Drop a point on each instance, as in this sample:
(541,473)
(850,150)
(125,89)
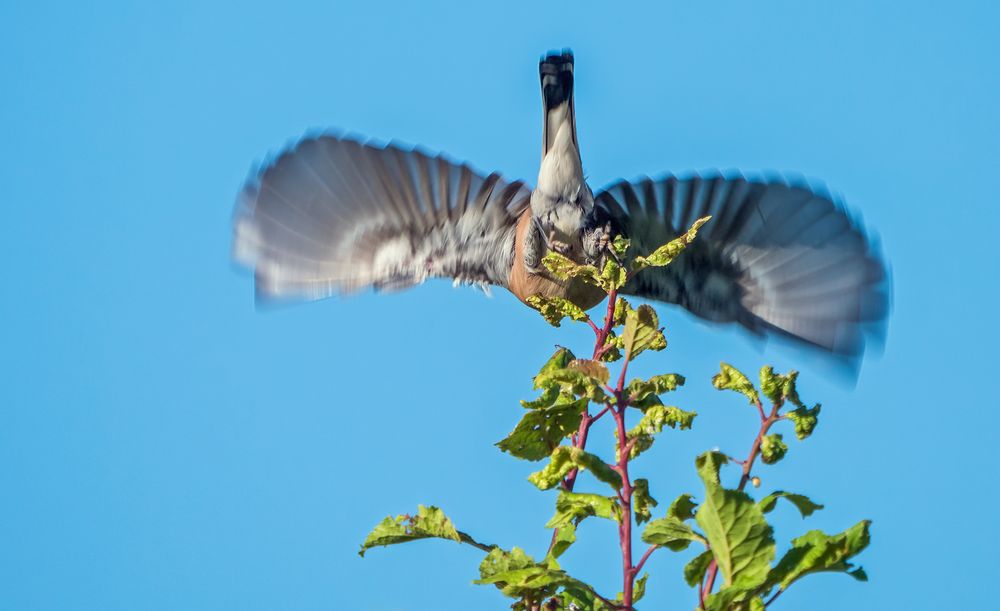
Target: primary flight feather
(333,215)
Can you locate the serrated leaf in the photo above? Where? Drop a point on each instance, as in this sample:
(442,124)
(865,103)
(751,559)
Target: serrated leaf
(547,398)
(620,245)
(565,536)
(779,388)
(541,430)
(739,536)
(638,389)
(652,422)
(613,276)
(669,251)
(554,309)
(557,361)
(772,449)
(640,588)
(694,571)
(731,378)
(805,420)
(564,268)
(682,508)
(642,332)
(817,551)
(518,576)
(430,522)
(572,507)
(732,598)
(805,506)
(642,502)
(575,381)
(564,459)
(595,370)
(621,309)
(671,533)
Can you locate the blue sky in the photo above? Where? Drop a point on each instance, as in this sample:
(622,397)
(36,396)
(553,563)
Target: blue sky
(164,445)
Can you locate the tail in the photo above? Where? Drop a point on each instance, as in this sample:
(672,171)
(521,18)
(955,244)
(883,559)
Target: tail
(556,73)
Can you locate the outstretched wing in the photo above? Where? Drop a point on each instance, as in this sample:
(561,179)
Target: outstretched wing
(332,215)
(775,257)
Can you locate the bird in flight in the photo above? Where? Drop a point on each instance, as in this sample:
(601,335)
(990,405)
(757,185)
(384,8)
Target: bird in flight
(334,215)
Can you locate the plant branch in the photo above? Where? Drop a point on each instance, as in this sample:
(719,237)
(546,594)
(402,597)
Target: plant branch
(645,557)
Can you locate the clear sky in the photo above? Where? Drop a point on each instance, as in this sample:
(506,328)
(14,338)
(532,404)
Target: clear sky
(165,445)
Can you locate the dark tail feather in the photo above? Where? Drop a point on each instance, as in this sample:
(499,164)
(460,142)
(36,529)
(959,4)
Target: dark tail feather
(556,73)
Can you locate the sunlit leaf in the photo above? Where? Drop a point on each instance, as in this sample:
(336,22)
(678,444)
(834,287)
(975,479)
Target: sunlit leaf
(572,507)
(554,309)
(805,506)
(564,459)
(731,378)
(669,251)
(541,430)
(739,536)
(642,502)
(805,420)
(772,448)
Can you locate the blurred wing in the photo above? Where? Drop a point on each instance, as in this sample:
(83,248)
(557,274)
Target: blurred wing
(332,215)
(774,258)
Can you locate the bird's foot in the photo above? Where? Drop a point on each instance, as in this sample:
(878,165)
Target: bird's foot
(597,243)
(558,245)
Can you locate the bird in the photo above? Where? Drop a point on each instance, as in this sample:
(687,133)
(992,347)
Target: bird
(333,215)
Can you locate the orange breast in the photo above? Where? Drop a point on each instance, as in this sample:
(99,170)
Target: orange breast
(524,283)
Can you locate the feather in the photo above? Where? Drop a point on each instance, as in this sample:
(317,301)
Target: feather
(332,215)
(776,258)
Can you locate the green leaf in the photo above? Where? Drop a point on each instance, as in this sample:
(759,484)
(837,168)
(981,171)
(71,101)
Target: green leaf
(640,588)
(708,465)
(805,506)
(547,398)
(564,459)
(671,533)
(805,420)
(564,537)
(430,522)
(595,370)
(772,449)
(576,379)
(756,604)
(582,599)
(779,388)
(564,268)
(642,331)
(817,551)
(541,430)
(572,507)
(732,598)
(554,309)
(739,536)
(622,308)
(731,378)
(642,502)
(639,389)
(557,361)
(613,276)
(652,423)
(694,571)
(620,246)
(682,508)
(518,576)
(669,251)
